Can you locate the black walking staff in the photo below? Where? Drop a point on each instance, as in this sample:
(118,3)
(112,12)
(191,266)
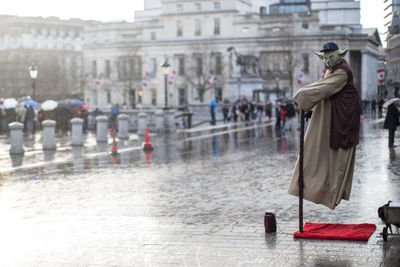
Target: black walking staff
(301,180)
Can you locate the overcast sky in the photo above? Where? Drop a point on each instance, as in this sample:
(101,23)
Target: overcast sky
(84,9)
(371,10)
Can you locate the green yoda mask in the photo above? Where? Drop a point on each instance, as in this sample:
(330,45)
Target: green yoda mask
(332,57)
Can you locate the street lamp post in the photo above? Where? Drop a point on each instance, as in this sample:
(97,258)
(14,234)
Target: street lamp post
(165,66)
(239,85)
(33,72)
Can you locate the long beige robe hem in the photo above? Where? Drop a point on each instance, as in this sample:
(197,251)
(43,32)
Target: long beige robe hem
(328,173)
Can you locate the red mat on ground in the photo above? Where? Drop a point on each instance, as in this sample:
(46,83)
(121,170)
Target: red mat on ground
(360,232)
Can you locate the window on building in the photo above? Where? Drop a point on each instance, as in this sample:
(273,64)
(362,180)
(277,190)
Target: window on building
(287,62)
(125,70)
(179,28)
(265,67)
(106,38)
(135,67)
(218,64)
(181,65)
(199,65)
(304,25)
(94,98)
(153,67)
(108,97)
(218,93)
(140,95)
(197,7)
(181,96)
(107,68)
(199,96)
(217,26)
(197,31)
(179,7)
(94,69)
(217,5)
(305,62)
(153,36)
(94,39)
(130,68)
(154,97)
(276,64)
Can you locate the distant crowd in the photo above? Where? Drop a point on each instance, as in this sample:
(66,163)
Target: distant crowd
(32,116)
(244,110)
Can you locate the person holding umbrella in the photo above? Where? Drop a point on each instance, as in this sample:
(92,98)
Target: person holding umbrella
(392,119)
(332,133)
(30,120)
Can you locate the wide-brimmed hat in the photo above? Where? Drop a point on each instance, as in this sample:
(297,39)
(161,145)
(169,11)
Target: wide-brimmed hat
(330,46)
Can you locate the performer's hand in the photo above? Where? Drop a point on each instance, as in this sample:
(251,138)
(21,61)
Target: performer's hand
(308,115)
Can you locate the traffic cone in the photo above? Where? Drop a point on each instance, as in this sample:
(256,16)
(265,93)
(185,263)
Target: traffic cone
(147,156)
(147,146)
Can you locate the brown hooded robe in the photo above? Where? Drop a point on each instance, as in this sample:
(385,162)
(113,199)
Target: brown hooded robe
(328,172)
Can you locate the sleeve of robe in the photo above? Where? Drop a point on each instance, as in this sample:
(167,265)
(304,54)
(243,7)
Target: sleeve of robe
(308,96)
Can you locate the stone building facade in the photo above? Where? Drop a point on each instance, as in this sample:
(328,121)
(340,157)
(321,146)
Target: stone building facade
(393,58)
(202,41)
(55,46)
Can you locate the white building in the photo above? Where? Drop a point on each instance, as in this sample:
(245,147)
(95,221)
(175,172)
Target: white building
(54,45)
(198,37)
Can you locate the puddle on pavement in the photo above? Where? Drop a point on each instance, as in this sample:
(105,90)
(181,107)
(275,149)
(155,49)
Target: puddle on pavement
(167,149)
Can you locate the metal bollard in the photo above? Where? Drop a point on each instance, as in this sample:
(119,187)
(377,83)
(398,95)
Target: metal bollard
(16,138)
(123,132)
(49,141)
(101,129)
(77,132)
(160,121)
(142,121)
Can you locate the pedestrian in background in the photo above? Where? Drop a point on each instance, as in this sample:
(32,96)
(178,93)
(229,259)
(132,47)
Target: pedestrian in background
(245,110)
(282,114)
(290,114)
(380,106)
(392,121)
(213,111)
(30,120)
(113,117)
(268,109)
(373,107)
(21,114)
(277,116)
(236,111)
(260,111)
(253,110)
(225,110)
(11,116)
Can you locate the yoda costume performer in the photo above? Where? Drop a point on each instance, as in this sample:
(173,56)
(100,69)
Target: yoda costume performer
(332,134)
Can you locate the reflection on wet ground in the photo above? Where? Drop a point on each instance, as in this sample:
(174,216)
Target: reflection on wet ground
(193,201)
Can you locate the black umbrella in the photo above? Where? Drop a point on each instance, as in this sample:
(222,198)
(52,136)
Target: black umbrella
(64,103)
(285,100)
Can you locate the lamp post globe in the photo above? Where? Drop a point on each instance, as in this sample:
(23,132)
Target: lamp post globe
(33,72)
(165,66)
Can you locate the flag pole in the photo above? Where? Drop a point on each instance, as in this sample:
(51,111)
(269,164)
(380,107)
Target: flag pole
(301,180)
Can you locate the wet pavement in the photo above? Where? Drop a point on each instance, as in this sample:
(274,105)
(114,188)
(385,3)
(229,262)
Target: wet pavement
(197,200)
